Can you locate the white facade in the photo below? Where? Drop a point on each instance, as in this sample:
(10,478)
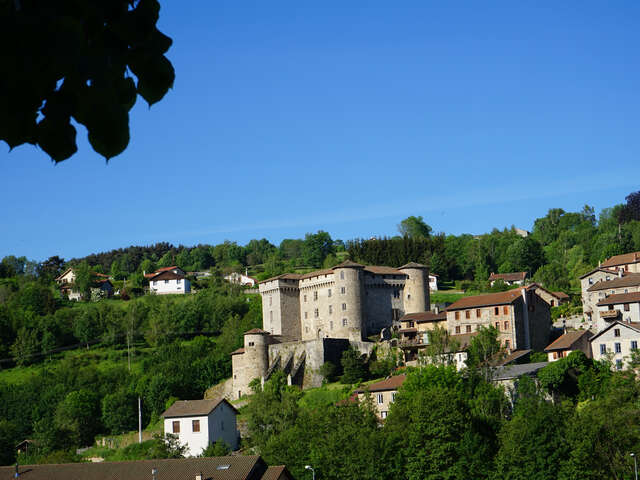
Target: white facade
(617,341)
(433,282)
(167,286)
(198,431)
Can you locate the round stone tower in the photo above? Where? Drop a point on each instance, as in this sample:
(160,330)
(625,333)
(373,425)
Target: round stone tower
(416,288)
(349,314)
(256,353)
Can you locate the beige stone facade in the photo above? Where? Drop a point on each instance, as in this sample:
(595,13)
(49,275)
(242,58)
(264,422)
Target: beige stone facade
(522,318)
(382,394)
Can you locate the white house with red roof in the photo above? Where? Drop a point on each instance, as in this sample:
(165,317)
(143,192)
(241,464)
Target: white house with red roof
(168,280)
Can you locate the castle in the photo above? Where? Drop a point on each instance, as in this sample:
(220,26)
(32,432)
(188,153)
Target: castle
(312,318)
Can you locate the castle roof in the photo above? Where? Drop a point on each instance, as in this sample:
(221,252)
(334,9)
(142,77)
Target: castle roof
(383,270)
(256,331)
(414,265)
(348,264)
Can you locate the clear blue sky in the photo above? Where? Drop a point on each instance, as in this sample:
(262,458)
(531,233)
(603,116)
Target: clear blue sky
(288,118)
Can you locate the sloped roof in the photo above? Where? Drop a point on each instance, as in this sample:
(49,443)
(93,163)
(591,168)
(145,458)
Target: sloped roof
(422,317)
(624,259)
(391,383)
(276,473)
(618,298)
(240,467)
(631,325)
(512,357)
(194,408)
(491,299)
(599,269)
(628,280)
(567,340)
(166,275)
(560,295)
(383,270)
(414,265)
(508,277)
(509,372)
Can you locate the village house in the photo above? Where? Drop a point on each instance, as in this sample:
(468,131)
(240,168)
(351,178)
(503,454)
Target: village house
(240,467)
(515,278)
(433,282)
(100,282)
(241,279)
(621,283)
(521,317)
(198,423)
(569,342)
(382,393)
(554,299)
(620,306)
(508,376)
(168,280)
(627,262)
(414,326)
(616,342)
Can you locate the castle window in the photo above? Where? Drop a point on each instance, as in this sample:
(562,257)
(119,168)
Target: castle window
(329,293)
(251,344)
(341,275)
(270,301)
(316,313)
(330,309)
(315,295)
(306,329)
(305,298)
(343,290)
(344,322)
(396,294)
(331,325)
(344,307)
(271,315)
(305,314)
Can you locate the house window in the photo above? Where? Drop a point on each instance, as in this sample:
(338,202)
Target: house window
(506,325)
(458,329)
(176,426)
(467,314)
(478,313)
(497,325)
(344,307)
(468,328)
(178,281)
(393,396)
(315,295)
(380,398)
(618,347)
(555,355)
(329,293)
(591,281)
(384,414)
(506,344)
(626,307)
(616,332)
(457,315)
(618,364)
(603,349)
(496,310)
(316,313)
(195,425)
(341,275)
(634,345)
(553,303)
(343,290)
(505,310)
(344,322)
(166,281)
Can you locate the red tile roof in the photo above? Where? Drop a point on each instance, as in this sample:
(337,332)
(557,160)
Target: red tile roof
(501,298)
(599,269)
(391,383)
(560,295)
(567,340)
(508,277)
(194,408)
(628,280)
(624,259)
(618,298)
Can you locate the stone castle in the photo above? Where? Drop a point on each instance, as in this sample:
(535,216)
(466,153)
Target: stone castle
(312,318)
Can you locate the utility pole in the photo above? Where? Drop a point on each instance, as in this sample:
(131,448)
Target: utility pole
(139,420)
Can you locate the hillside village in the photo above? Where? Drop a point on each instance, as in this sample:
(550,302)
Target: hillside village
(216,356)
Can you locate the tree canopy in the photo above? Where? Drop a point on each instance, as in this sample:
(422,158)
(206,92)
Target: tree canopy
(65,60)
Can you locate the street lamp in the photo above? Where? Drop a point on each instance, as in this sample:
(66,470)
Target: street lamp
(313,472)
(635,464)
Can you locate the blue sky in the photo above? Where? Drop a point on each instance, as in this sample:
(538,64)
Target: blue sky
(288,118)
